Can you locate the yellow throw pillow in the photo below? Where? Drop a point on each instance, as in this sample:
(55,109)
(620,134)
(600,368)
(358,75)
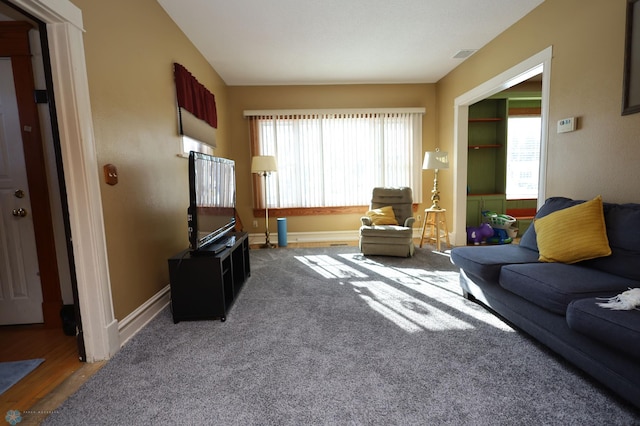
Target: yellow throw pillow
(383,216)
(573,234)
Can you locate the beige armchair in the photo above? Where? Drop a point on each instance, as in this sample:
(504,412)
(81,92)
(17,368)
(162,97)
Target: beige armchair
(377,237)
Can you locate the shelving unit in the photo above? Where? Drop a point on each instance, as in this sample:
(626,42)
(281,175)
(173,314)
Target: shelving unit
(486,170)
(485,146)
(485,120)
(205,284)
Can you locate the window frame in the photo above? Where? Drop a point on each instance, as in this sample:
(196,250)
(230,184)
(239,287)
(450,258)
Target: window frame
(523,113)
(256,149)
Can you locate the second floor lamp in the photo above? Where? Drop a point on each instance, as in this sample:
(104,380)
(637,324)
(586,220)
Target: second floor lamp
(435,160)
(264,165)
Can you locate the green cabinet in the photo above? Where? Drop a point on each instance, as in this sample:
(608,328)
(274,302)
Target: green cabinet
(476,204)
(523,211)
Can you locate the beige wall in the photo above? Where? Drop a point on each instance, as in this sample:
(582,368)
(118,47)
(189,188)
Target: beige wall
(601,157)
(130,48)
(300,97)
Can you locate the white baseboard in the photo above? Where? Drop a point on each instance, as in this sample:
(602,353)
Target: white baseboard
(307,237)
(137,319)
(317,237)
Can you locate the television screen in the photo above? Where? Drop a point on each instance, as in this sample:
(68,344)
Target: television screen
(212,198)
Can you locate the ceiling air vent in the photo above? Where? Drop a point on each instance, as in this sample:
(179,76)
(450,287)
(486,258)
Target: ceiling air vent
(464,53)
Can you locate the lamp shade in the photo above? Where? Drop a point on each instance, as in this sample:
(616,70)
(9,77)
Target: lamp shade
(263,163)
(435,160)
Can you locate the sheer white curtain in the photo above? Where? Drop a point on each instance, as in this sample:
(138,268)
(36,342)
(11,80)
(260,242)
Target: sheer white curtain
(335,159)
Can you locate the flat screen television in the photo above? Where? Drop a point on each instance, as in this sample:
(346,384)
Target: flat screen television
(212,200)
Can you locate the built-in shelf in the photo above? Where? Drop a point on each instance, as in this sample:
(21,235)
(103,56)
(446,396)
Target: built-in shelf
(485,146)
(484,120)
(486,166)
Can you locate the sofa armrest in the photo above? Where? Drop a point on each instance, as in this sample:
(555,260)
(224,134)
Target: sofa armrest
(366,221)
(409,222)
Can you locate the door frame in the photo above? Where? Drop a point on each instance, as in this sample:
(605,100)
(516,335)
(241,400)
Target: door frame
(540,62)
(64,31)
(14,44)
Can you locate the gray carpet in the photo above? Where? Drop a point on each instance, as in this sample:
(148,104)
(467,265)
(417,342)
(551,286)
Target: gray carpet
(326,336)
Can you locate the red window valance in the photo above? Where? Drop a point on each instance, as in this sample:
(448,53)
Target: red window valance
(194,97)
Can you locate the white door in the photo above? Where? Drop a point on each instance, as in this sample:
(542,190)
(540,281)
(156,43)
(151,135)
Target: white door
(20,288)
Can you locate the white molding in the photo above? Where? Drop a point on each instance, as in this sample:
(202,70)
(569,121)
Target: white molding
(318,237)
(508,78)
(308,237)
(136,320)
(77,143)
(52,11)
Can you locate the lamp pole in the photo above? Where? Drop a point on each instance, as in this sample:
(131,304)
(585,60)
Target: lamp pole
(266,244)
(435,193)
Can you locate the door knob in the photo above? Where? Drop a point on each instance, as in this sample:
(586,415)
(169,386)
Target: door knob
(19,212)
(19,193)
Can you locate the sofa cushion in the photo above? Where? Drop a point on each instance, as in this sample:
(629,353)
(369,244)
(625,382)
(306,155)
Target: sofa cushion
(387,231)
(553,286)
(623,232)
(617,329)
(573,234)
(382,216)
(485,262)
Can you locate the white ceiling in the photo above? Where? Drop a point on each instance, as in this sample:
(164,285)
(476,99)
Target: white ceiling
(258,42)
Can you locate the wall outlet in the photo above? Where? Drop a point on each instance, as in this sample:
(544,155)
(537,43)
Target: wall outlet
(567,125)
(419,219)
(255,223)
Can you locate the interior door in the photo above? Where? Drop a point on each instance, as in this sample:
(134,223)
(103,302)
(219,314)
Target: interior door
(20,287)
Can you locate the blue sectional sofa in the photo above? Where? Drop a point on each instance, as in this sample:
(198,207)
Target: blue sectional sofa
(557,303)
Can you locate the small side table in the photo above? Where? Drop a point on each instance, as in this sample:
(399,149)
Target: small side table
(434,226)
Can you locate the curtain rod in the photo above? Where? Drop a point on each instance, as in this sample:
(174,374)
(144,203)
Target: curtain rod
(253,113)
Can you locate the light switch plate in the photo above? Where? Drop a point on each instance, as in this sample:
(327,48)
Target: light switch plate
(567,125)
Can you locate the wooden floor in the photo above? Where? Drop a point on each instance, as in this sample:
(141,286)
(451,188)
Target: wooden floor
(60,353)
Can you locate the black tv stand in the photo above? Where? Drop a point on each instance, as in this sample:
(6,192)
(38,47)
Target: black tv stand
(204,284)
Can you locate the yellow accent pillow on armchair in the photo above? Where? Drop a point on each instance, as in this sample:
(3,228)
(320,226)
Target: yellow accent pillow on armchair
(573,234)
(383,216)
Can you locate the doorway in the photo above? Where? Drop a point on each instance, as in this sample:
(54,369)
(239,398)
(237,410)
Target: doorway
(504,156)
(36,280)
(537,64)
(20,282)
(62,26)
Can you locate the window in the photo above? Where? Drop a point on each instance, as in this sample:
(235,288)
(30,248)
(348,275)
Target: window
(523,157)
(335,159)
(188,144)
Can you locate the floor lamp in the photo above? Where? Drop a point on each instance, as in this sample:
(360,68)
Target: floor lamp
(434,160)
(265,165)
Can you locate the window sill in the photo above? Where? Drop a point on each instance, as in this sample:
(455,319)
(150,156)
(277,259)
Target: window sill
(316,211)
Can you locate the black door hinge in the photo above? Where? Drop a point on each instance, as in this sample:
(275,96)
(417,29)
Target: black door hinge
(41,96)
